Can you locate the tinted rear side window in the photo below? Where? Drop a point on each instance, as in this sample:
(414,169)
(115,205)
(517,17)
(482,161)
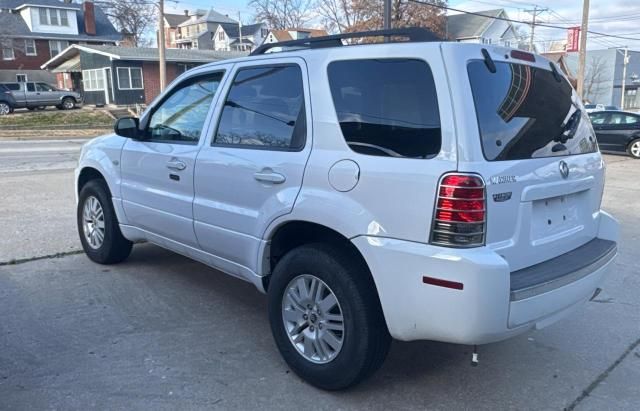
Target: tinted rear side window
(12,86)
(387,107)
(524,112)
(264,109)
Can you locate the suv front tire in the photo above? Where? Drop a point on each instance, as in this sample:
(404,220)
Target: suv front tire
(326,317)
(98,227)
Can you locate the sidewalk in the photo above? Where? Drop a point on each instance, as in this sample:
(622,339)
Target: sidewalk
(7,135)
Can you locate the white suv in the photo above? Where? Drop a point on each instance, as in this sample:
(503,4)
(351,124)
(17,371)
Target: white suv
(418,190)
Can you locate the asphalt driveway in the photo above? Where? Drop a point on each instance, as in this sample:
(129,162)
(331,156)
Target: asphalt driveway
(163,332)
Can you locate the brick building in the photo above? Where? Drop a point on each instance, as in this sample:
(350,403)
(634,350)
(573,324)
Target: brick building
(126,76)
(34,31)
(171,23)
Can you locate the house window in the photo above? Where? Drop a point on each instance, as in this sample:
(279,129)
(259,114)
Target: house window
(30,47)
(56,46)
(64,20)
(44,17)
(130,78)
(221,35)
(486,41)
(507,43)
(264,32)
(93,80)
(7,53)
(53,17)
(21,78)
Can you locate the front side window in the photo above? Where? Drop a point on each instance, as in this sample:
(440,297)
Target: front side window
(180,117)
(526,112)
(129,78)
(31,87)
(387,107)
(621,119)
(598,118)
(43,87)
(264,109)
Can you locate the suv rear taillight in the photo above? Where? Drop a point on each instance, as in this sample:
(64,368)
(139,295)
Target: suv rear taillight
(461,212)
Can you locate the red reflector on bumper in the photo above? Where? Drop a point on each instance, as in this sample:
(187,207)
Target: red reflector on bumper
(442,283)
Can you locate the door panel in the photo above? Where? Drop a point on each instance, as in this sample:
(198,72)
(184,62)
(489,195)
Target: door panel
(157,173)
(156,198)
(33,97)
(252,170)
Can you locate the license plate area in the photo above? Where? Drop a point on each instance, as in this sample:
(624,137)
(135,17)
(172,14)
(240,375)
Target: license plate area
(557,216)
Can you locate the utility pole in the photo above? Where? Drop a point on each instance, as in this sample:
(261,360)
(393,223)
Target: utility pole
(534,13)
(387,18)
(161,46)
(240,31)
(624,75)
(387,14)
(583,47)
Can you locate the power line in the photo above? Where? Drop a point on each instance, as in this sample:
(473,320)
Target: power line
(519,21)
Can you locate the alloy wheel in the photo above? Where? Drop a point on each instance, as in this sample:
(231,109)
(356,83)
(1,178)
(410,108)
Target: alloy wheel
(313,319)
(93,222)
(4,109)
(635,149)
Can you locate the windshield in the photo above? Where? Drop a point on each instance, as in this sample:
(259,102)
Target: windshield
(527,112)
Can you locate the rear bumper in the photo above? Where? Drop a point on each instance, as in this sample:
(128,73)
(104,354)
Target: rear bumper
(486,309)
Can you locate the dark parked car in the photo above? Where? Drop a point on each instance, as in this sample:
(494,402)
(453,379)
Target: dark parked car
(617,131)
(7,101)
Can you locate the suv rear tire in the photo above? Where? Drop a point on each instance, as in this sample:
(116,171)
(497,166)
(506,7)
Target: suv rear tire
(98,227)
(364,340)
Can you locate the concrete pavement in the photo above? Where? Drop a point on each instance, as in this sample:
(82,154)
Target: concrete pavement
(39,155)
(163,332)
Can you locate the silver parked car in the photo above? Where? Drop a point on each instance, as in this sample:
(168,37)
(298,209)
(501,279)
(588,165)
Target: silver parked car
(416,190)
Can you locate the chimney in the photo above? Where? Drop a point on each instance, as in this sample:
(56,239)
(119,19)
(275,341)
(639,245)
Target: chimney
(89,18)
(186,13)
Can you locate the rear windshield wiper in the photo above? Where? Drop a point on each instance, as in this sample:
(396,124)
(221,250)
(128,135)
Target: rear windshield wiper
(570,128)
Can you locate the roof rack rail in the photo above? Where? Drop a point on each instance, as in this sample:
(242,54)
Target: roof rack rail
(414,34)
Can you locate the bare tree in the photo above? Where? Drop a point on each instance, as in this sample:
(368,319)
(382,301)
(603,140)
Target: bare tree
(283,14)
(137,18)
(595,77)
(362,15)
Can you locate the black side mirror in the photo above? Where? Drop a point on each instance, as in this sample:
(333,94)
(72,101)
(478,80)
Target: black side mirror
(128,127)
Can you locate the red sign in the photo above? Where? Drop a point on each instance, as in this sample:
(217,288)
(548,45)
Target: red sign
(573,39)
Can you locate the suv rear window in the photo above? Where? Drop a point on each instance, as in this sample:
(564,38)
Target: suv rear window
(524,112)
(387,107)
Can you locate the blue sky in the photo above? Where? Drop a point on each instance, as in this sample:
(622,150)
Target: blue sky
(607,16)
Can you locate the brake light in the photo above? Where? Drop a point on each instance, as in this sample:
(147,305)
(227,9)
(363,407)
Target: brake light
(523,55)
(460,216)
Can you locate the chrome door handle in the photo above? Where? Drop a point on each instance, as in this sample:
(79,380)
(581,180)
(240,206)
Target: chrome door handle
(176,165)
(270,177)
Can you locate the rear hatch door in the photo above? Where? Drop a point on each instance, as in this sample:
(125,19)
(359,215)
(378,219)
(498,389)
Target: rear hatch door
(529,136)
